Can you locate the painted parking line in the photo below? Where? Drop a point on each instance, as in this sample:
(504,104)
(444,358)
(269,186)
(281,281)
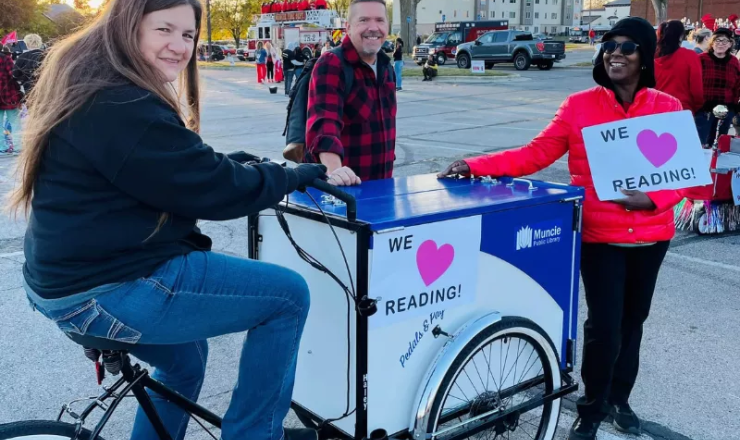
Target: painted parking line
(710,263)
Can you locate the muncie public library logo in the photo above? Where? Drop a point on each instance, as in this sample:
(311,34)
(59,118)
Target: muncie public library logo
(538,235)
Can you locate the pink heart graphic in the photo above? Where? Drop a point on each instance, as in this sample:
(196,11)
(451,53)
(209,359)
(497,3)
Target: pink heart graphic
(657,149)
(433,262)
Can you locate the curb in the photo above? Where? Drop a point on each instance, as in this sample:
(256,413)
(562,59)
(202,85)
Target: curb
(478,80)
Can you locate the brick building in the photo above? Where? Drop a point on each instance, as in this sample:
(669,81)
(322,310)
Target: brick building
(692,9)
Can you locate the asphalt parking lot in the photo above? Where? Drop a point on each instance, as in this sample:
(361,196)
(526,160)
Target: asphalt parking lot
(688,386)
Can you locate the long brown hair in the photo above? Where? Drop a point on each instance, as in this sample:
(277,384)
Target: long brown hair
(103,54)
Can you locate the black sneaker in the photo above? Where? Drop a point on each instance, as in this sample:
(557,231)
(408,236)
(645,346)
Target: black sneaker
(300,434)
(583,429)
(626,420)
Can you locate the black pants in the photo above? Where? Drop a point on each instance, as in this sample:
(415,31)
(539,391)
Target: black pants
(429,73)
(270,70)
(619,284)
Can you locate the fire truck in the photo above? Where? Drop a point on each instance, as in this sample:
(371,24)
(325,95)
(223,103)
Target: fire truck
(447,35)
(307,28)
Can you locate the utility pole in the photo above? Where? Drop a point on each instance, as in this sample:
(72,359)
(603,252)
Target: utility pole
(208,19)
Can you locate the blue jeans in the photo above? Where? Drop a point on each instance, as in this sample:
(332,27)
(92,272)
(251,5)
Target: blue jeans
(170,314)
(10,121)
(707,124)
(398,67)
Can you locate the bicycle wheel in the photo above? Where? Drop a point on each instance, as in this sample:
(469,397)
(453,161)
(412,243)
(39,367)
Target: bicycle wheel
(493,388)
(42,430)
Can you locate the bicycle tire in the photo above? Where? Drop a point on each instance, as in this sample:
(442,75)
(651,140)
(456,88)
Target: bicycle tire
(508,326)
(42,430)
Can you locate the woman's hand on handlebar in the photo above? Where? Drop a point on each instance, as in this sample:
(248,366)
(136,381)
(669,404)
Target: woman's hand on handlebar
(456,167)
(344,176)
(306,173)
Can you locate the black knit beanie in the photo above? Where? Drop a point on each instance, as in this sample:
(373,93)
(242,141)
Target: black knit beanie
(642,33)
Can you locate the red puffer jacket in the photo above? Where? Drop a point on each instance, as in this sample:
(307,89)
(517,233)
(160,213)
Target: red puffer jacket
(603,222)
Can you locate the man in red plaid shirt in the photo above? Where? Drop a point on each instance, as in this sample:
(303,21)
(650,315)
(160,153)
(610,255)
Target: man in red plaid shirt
(360,144)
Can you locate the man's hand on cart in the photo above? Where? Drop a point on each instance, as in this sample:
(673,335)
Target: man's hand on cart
(456,167)
(636,201)
(344,176)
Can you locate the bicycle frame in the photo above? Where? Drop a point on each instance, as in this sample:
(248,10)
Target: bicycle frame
(137,380)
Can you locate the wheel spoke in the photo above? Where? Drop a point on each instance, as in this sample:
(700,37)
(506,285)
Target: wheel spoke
(471,380)
(485,386)
(490,373)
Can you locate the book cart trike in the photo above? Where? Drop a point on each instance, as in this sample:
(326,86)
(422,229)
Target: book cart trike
(714,209)
(440,308)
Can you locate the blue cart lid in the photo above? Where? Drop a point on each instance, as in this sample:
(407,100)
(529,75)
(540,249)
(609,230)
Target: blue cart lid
(420,199)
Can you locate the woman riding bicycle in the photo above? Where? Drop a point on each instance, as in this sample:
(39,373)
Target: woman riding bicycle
(115,176)
(625,241)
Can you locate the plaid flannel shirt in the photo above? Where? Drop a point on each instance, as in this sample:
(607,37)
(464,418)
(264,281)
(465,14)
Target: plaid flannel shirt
(721,81)
(365,136)
(10,95)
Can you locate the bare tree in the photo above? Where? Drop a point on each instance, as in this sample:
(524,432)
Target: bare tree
(661,11)
(408,30)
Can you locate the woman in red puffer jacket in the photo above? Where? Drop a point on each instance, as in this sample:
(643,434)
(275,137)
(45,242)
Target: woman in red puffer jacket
(678,70)
(624,241)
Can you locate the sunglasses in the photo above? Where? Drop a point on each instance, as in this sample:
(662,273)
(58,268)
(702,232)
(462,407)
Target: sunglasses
(628,47)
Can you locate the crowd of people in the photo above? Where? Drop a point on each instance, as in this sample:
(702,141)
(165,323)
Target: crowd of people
(292,5)
(17,78)
(711,24)
(703,74)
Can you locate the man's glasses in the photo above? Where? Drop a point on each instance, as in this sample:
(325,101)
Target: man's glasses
(722,41)
(628,47)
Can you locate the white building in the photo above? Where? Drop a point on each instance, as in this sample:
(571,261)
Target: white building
(607,16)
(537,16)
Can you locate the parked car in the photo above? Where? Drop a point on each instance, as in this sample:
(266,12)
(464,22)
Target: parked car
(217,52)
(517,47)
(388,46)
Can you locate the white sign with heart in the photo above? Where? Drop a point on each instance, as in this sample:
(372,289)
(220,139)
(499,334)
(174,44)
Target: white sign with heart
(423,269)
(649,153)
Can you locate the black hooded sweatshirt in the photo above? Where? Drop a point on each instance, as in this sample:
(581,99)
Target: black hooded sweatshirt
(108,174)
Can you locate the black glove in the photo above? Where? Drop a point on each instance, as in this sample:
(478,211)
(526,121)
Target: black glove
(302,175)
(243,157)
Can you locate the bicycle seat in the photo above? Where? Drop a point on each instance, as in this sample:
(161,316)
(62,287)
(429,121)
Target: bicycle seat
(99,343)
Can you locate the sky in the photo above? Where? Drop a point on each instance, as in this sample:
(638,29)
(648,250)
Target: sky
(93,3)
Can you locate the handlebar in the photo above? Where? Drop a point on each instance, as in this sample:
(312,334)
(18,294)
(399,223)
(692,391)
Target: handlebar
(332,190)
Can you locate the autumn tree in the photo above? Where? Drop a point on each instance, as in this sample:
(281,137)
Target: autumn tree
(341,6)
(234,15)
(15,14)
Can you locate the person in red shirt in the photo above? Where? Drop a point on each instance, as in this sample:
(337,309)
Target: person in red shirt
(678,70)
(320,4)
(303,5)
(624,241)
(591,37)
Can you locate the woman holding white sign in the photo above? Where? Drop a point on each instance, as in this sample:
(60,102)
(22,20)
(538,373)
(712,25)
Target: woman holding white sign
(625,240)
